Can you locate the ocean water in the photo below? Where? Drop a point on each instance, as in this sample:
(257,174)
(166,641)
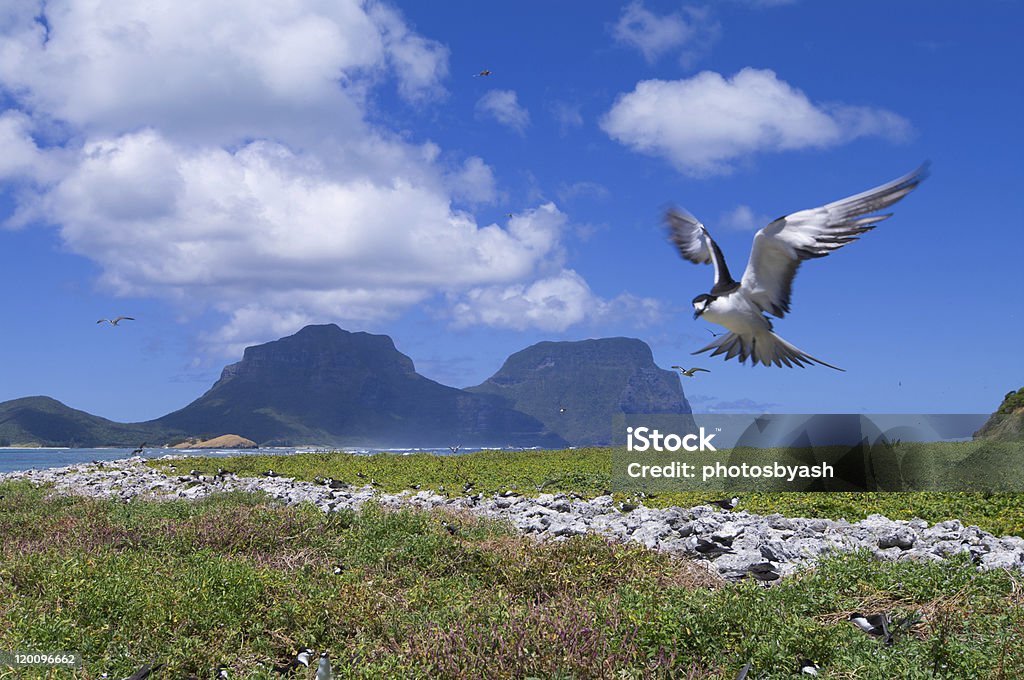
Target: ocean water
(16,459)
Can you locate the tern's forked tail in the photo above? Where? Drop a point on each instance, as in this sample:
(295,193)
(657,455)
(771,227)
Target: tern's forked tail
(764,348)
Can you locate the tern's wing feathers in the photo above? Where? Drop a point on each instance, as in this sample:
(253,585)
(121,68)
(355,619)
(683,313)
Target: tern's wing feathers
(780,247)
(689,236)
(695,244)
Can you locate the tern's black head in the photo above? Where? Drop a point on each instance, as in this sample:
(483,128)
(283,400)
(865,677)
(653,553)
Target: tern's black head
(700,304)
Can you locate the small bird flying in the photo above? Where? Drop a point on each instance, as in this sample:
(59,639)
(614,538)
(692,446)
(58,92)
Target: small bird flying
(688,372)
(455,449)
(139,449)
(482,74)
(778,250)
(114,322)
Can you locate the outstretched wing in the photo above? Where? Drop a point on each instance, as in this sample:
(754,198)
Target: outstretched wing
(780,247)
(695,244)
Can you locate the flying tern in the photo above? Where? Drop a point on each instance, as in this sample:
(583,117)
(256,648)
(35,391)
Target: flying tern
(688,372)
(777,252)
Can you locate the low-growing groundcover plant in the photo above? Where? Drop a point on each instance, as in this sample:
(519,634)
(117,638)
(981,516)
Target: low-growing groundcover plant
(240,580)
(588,472)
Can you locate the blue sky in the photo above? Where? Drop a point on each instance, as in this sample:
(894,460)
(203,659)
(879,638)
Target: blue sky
(229,177)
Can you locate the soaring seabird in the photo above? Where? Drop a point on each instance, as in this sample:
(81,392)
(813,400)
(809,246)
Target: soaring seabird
(455,449)
(483,73)
(114,322)
(778,250)
(141,448)
(688,372)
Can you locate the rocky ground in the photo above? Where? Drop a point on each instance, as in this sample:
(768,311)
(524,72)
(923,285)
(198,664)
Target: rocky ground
(789,543)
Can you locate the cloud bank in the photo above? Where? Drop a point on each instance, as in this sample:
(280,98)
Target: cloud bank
(228,160)
(706,124)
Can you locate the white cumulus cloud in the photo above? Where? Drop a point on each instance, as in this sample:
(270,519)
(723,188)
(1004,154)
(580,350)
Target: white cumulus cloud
(742,218)
(503,106)
(229,160)
(553,303)
(690,31)
(703,125)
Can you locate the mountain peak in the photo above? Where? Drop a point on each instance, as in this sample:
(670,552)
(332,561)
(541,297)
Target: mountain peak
(576,388)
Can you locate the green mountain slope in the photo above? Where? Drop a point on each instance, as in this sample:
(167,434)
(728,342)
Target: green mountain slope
(576,388)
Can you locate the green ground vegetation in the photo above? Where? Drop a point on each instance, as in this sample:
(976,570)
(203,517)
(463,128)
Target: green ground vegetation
(588,472)
(238,579)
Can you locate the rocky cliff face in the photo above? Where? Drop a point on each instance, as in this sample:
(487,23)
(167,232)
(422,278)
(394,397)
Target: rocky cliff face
(576,388)
(328,386)
(1007,423)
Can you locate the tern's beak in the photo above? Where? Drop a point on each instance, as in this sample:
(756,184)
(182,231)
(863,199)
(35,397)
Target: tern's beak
(696,314)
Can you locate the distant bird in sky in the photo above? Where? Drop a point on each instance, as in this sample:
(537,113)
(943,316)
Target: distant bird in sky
(323,671)
(114,322)
(455,449)
(726,503)
(483,74)
(561,409)
(140,449)
(777,252)
(689,372)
